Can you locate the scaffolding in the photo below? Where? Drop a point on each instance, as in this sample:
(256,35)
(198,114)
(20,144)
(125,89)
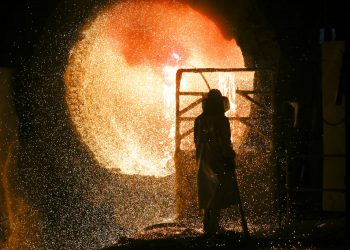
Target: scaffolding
(184,175)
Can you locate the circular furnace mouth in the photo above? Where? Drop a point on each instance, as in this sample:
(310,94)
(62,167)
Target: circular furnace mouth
(120,81)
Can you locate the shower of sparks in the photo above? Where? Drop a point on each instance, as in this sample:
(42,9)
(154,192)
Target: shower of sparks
(120,91)
(121,80)
(120,94)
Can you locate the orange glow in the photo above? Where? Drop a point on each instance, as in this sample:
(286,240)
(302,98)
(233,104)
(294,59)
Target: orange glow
(120,80)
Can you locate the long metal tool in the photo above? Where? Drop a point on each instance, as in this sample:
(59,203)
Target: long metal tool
(241,211)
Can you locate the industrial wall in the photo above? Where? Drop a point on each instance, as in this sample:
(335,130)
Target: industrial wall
(333,127)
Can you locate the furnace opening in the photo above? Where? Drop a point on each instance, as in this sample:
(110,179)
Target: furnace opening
(120,81)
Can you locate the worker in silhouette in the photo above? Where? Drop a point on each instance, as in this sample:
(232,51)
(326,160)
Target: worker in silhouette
(215,160)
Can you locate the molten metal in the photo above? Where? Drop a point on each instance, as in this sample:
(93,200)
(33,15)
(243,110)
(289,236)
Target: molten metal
(120,80)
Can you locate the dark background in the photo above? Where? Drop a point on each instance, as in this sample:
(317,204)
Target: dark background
(22,23)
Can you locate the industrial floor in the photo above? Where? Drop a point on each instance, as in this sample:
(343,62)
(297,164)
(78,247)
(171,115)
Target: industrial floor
(326,232)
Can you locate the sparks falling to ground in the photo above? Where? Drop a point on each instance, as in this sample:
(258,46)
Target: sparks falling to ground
(120,80)
(120,98)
